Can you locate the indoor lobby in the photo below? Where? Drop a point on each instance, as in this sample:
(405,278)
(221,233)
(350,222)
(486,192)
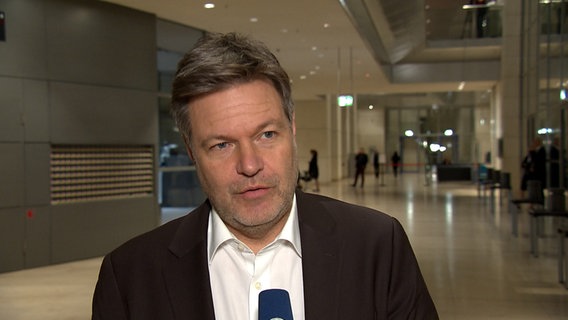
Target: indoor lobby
(85,86)
(473,266)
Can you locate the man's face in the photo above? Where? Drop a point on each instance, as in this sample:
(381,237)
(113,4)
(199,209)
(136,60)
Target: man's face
(245,153)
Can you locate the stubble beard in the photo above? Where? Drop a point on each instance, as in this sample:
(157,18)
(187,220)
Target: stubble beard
(234,215)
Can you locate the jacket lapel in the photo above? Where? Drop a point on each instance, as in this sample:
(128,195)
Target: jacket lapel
(186,272)
(321,248)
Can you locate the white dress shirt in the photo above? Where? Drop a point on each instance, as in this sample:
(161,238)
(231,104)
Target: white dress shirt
(238,275)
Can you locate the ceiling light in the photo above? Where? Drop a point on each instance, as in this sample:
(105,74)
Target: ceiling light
(209,5)
(303,77)
(326,25)
(254,19)
(371,107)
(314,48)
(409,133)
(434,147)
(461,86)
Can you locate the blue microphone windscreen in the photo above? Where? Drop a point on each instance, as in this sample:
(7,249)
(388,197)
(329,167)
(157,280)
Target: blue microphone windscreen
(274,304)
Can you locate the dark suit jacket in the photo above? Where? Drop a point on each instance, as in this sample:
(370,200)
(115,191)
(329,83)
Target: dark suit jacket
(357,264)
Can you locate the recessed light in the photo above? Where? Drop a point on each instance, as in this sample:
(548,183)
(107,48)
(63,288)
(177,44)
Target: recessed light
(314,48)
(254,19)
(209,5)
(303,77)
(326,25)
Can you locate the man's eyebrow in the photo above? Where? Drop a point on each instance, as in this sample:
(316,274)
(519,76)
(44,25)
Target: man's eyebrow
(259,128)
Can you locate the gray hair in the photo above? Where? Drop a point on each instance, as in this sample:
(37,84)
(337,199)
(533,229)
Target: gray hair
(218,61)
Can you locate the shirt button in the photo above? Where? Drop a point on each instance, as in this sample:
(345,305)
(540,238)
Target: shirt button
(258,286)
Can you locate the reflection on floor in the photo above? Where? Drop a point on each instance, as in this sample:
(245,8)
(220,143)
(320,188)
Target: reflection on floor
(473,266)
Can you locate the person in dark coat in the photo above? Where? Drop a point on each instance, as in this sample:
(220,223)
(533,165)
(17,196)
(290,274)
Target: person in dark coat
(313,169)
(361,160)
(395,161)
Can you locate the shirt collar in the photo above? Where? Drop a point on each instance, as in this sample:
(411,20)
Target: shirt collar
(218,233)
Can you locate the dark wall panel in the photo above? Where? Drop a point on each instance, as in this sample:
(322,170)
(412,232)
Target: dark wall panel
(11,239)
(37,179)
(25,44)
(11,128)
(92,229)
(102,115)
(100,43)
(37,249)
(23,110)
(35,110)
(11,175)
(176,37)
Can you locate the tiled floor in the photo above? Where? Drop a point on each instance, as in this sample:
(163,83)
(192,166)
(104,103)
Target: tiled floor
(473,266)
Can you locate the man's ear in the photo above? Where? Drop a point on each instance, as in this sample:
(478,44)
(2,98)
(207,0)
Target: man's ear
(294,123)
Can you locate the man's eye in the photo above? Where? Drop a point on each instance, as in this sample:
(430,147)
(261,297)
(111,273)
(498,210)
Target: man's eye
(220,146)
(269,134)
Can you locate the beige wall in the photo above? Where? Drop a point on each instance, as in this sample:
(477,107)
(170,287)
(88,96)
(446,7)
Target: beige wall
(371,129)
(312,132)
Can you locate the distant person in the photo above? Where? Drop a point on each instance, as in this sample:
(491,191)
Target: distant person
(361,160)
(376,164)
(232,103)
(555,163)
(552,158)
(528,165)
(313,169)
(395,161)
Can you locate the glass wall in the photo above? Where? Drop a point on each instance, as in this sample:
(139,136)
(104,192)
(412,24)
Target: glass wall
(545,82)
(178,184)
(432,128)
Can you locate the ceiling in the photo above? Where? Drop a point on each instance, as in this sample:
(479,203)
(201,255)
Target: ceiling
(336,46)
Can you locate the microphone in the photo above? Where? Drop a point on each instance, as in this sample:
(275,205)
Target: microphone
(274,304)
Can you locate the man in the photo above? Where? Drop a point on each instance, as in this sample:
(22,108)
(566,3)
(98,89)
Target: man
(232,102)
(361,160)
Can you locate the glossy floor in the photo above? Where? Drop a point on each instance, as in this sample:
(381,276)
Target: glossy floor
(474,267)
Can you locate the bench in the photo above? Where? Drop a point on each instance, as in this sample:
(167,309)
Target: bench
(502,183)
(562,257)
(556,208)
(535,199)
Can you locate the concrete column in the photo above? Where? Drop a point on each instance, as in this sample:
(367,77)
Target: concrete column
(508,116)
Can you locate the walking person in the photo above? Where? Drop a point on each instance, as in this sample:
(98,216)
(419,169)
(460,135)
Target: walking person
(313,169)
(395,160)
(376,164)
(361,160)
(528,165)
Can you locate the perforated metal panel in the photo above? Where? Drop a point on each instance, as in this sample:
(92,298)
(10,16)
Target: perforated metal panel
(91,173)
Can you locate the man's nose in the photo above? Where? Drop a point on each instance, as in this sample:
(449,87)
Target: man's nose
(250,161)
